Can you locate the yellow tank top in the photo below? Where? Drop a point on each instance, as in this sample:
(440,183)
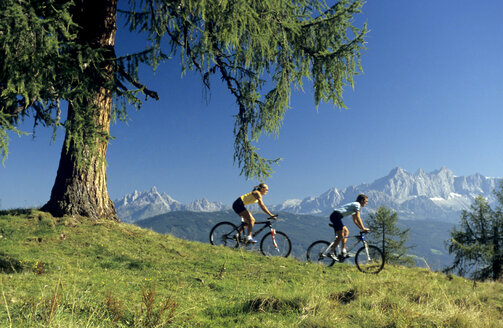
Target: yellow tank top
(249,198)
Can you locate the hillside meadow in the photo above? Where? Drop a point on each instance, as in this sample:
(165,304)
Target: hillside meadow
(427,237)
(67,272)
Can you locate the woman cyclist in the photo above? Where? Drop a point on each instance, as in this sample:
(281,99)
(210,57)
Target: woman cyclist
(255,196)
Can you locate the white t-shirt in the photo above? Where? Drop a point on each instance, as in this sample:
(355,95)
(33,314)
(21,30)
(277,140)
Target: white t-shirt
(349,209)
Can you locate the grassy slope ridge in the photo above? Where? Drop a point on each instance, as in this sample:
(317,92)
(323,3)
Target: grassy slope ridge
(78,273)
(426,237)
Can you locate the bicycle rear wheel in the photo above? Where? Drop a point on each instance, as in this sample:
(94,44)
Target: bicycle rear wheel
(371,262)
(283,246)
(315,253)
(224,234)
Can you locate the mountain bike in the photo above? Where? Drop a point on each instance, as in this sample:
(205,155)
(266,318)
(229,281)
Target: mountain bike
(368,258)
(273,243)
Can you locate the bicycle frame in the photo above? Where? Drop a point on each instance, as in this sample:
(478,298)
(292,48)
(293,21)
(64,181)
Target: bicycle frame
(266,224)
(359,239)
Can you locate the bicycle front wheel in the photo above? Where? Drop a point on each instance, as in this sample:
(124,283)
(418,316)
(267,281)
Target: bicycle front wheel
(224,234)
(317,253)
(369,259)
(277,245)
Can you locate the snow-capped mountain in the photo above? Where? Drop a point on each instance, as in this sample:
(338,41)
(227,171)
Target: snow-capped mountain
(141,205)
(204,205)
(437,195)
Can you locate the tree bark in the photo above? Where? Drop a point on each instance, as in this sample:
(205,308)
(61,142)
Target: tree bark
(81,190)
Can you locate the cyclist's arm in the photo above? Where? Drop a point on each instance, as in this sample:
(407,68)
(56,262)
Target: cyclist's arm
(358,221)
(261,204)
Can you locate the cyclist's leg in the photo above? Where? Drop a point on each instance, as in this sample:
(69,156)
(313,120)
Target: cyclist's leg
(239,207)
(249,220)
(336,219)
(345,234)
(243,226)
(339,237)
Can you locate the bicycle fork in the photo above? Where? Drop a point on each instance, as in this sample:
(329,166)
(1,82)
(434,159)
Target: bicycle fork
(273,234)
(367,251)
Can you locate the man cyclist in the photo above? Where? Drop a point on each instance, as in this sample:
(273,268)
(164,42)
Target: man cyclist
(341,231)
(255,196)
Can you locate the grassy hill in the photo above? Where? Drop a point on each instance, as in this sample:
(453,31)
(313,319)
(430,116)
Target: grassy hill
(426,237)
(64,272)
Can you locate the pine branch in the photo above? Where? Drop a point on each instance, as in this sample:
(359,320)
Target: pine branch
(135,55)
(188,49)
(352,9)
(143,88)
(14,111)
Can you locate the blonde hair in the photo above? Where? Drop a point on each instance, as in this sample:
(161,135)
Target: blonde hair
(262,185)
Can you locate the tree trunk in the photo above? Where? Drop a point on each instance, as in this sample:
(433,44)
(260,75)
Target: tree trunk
(81,190)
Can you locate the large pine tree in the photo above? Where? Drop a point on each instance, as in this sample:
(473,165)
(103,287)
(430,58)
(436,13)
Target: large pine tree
(58,52)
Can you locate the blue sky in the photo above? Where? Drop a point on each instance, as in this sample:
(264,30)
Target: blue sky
(431,95)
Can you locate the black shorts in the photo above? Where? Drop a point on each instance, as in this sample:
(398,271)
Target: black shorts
(336,219)
(238,206)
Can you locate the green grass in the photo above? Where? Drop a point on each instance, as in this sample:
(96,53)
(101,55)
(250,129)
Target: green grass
(79,273)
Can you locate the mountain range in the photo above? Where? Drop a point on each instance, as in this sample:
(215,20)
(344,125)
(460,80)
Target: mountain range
(438,195)
(141,205)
